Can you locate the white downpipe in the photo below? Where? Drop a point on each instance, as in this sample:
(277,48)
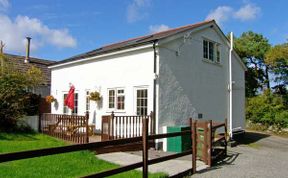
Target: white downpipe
(230,86)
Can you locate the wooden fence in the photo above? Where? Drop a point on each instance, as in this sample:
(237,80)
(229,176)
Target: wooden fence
(209,144)
(116,127)
(195,126)
(67,127)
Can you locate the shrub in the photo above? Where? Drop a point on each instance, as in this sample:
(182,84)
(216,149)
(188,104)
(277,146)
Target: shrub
(16,100)
(268,109)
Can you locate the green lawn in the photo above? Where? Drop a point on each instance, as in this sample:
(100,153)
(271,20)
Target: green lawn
(75,164)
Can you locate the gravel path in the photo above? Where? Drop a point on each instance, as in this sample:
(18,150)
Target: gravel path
(259,156)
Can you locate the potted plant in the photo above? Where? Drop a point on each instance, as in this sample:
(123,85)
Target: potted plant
(50,99)
(95,96)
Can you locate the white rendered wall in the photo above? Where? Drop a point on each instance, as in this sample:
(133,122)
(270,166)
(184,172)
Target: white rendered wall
(127,71)
(189,85)
(238,76)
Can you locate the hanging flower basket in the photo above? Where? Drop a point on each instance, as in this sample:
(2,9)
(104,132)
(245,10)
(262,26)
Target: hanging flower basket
(95,96)
(50,99)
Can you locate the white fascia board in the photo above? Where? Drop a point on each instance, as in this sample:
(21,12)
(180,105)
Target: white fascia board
(101,56)
(180,34)
(218,31)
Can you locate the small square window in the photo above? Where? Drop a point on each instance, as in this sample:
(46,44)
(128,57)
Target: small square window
(211,51)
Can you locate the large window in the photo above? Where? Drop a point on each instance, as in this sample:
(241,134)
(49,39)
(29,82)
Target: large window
(116,99)
(142,101)
(211,51)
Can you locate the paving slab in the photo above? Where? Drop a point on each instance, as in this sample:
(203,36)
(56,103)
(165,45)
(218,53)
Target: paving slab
(170,167)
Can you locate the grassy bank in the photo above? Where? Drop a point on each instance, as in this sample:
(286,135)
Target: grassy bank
(75,164)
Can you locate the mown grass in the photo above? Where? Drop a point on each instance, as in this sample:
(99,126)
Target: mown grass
(75,164)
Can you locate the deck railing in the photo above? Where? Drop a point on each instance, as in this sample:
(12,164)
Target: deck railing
(67,127)
(116,127)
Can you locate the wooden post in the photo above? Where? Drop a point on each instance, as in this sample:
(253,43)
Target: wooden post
(225,135)
(209,142)
(194,144)
(111,127)
(152,115)
(87,126)
(145,147)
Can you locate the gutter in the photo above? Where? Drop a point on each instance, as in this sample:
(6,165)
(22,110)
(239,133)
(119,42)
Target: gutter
(101,55)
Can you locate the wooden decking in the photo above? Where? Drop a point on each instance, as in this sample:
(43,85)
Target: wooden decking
(67,127)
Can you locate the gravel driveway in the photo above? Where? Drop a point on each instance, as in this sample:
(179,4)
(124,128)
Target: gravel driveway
(259,155)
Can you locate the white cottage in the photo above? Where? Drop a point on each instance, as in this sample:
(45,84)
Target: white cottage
(178,73)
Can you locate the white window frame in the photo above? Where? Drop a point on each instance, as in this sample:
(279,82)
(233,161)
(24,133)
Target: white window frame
(87,100)
(76,103)
(65,109)
(216,51)
(147,99)
(116,95)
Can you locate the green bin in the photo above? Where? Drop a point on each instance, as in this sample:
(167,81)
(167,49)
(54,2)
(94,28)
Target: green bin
(180,143)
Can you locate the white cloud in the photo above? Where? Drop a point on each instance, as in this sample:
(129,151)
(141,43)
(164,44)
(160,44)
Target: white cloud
(136,10)
(4,4)
(220,14)
(13,33)
(248,12)
(158,28)
(224,13)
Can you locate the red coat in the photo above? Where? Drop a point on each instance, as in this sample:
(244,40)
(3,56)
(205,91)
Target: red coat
(69,100)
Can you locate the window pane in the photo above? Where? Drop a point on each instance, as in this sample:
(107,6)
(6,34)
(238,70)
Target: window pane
(65,108)
(120,91)
(75,110)
(218,54)
(142,102)
(205,49)
(87,101)
(111,99)
(120,102)
(211,51)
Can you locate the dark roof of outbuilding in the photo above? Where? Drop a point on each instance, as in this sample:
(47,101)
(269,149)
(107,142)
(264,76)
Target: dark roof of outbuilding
(134,42)
(18,62)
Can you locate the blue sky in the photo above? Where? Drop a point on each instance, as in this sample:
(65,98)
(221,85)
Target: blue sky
(63,28)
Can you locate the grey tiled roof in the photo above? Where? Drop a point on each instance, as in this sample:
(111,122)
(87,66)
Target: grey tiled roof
(134,42)
(42,64)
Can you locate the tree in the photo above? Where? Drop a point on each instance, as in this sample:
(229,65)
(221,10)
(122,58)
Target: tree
(14,93)
(277,59)
(252,47)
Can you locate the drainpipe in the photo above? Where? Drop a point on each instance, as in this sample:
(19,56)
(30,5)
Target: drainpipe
(230,87)
(154,84)
(27,50)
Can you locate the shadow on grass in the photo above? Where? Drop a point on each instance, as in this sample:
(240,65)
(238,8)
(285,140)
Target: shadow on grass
(250,137)
(21,136)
